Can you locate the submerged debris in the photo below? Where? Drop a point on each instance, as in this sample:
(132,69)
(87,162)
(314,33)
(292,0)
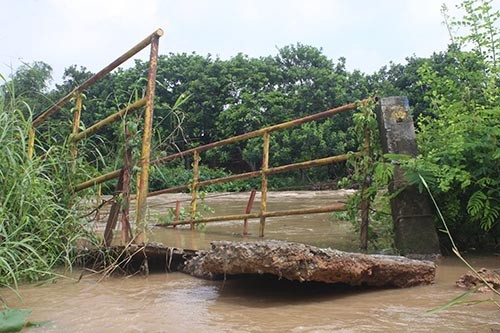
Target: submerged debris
(471,280)
(295,261)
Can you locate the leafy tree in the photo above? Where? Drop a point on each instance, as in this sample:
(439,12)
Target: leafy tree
(31,83)
(458,136)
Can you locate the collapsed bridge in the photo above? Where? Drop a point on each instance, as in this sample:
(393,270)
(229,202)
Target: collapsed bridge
(411,213)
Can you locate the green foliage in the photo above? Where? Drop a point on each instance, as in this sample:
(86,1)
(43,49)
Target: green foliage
(202,209)
(371,175)
(39,228)
(458,300)
(459,142)
(479,29)
(12,320)
(30,83)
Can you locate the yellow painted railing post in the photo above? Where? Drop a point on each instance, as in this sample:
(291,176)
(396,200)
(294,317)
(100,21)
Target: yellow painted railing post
(142,191)
(99,198)
(76,126)
(263,199)
(31,142)
(194,186)
(127,174)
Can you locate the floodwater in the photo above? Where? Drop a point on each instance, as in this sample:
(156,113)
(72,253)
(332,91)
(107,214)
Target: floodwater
(315,229)
(174,302)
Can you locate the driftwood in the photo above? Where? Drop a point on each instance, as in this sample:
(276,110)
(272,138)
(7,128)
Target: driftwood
(295,261)
(471,280)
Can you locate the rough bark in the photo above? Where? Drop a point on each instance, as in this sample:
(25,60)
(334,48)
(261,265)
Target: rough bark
(295,261)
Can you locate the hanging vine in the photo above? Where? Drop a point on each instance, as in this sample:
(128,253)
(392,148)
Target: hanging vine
(368,208)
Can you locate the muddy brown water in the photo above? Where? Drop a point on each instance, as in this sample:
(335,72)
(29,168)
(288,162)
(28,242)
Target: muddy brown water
(174,302)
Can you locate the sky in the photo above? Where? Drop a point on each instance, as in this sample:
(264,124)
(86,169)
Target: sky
(92,33)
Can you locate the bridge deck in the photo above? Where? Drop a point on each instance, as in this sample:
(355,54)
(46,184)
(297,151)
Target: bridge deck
(292,261)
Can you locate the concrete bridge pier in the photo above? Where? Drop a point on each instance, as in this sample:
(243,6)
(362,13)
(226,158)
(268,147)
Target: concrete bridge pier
(412,214)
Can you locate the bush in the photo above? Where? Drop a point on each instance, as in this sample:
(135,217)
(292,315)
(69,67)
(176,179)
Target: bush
(39,228)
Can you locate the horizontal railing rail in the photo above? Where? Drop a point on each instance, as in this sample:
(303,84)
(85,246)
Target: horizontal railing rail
(234,139)
(96,77)
(305,211)
(258,173)
(112,118)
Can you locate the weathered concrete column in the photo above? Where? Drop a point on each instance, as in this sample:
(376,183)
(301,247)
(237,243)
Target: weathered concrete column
(412,215)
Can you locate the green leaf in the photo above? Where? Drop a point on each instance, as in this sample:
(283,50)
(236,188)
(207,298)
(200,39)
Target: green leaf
(12,320)
(476,203)
(398,157)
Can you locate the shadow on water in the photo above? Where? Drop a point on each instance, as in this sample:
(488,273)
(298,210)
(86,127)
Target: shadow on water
(270,291)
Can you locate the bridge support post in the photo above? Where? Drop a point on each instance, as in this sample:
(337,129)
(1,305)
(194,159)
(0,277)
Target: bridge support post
(142,185)
(412,214)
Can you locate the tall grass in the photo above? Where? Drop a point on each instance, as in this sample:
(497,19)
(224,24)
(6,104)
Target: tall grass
(39,229)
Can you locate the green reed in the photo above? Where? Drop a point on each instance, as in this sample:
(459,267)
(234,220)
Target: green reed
(39,229)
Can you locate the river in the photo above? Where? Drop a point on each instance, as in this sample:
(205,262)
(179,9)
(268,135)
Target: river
(174,302)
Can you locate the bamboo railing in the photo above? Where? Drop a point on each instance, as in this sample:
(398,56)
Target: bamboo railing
(124,174)
(147,102)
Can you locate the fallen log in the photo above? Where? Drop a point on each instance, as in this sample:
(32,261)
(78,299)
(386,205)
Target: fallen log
(295,261)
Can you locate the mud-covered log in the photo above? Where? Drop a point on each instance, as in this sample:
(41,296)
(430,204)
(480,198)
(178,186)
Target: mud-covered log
(295,261)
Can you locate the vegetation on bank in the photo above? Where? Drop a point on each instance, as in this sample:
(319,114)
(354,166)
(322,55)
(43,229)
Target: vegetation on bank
(454,97)
(457,132)
(39,228)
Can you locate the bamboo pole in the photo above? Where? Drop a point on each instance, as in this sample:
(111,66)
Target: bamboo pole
(31,142)
(108,120)
(258,173)
(127,175)
(96,77)
(194,186)
(263,197)
(204,183)
(310,164)
(140,221)
(239,217)
(76,126)
(97,180)
(99,197)
(77,114)
(241,176)
(248,210)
